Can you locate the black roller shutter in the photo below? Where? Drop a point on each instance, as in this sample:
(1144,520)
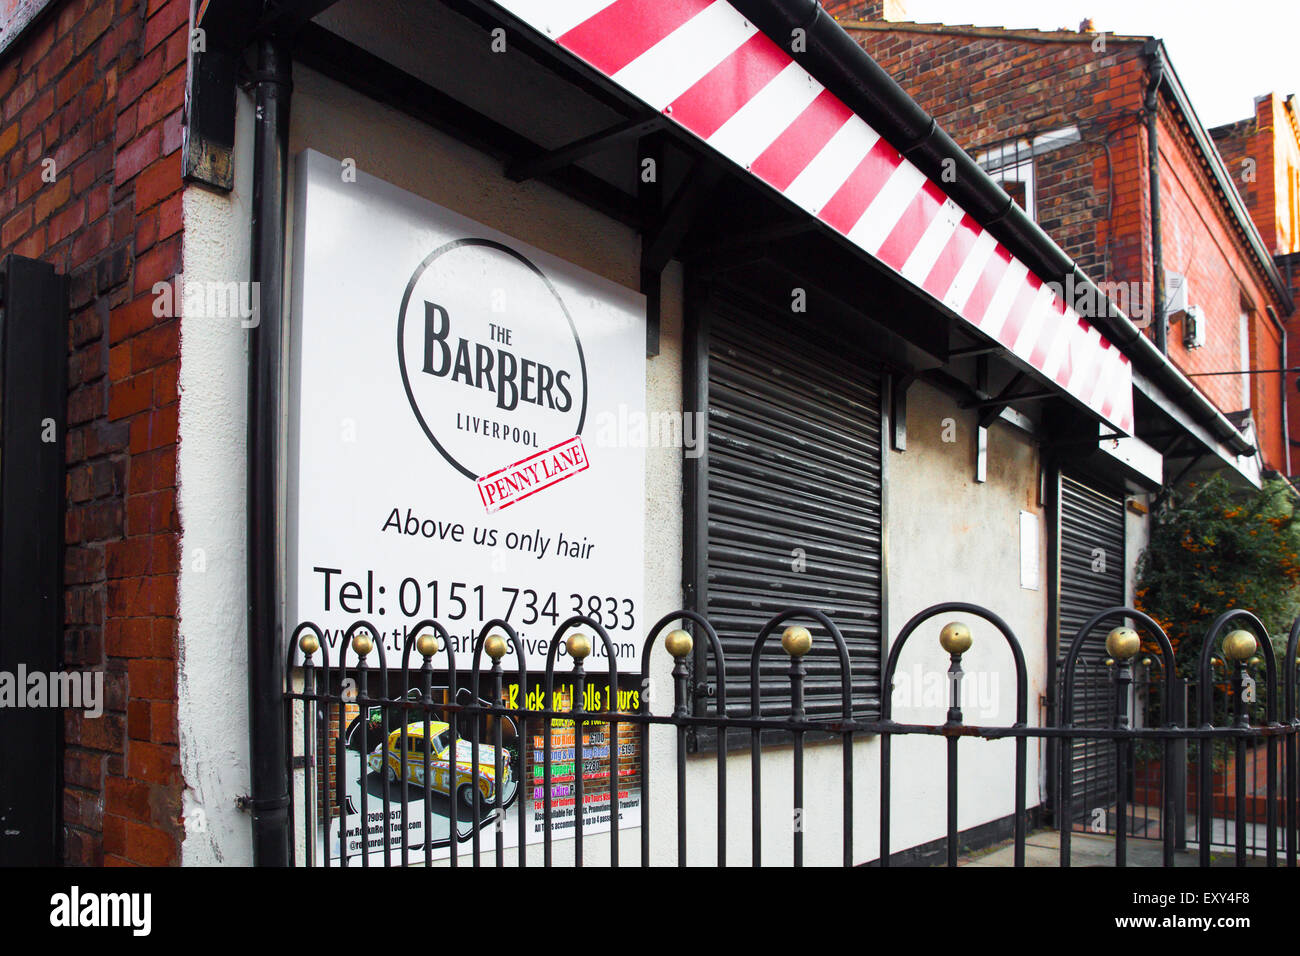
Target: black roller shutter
(793,503)
(1092,579)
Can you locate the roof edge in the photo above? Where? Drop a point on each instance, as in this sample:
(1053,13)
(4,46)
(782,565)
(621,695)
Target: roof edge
(1063,35)
(1205,143)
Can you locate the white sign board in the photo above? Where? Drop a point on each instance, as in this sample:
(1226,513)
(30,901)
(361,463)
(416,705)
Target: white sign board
(445,381)
(1029,558)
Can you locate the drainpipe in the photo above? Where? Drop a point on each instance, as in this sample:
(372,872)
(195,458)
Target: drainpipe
(269,801)
(1153,51)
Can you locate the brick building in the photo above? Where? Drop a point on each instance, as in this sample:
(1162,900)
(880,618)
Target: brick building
(1060,118)
(90,182)
(1263,153)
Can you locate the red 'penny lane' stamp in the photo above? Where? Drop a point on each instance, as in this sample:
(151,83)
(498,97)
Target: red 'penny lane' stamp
(505,486)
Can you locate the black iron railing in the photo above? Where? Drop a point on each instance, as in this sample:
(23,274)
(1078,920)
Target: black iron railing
(459,756)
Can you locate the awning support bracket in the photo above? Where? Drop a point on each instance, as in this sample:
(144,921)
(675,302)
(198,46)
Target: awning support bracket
(994,406)
(992,409)
(551,160)
(1175,482)
(973,350)
(898,409)
(666,226)
(748,245)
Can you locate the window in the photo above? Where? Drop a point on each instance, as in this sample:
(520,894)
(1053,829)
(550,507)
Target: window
(1243,325)
(1293,207)
(1012,166)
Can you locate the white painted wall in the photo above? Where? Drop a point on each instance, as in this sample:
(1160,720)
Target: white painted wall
(1137,535)
(212,695)
(948,538)
(952,539)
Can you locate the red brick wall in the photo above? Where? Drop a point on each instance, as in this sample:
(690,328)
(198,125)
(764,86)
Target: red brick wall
(864,9)
(1201,241)
(1237,143)
(1267,206)
(1268,392)
(98,86)
(990,87)
(1268,138)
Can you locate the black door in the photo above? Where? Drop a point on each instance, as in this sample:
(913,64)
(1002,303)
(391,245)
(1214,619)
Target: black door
(33,376)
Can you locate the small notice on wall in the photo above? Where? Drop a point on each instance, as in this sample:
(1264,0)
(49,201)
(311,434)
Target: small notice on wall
(1029,568)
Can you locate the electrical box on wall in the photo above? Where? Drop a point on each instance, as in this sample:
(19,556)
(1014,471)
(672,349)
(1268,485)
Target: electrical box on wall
(1176,295)
(1193,328)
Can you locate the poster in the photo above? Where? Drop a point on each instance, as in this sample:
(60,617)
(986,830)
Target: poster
(415,814)
(445,383)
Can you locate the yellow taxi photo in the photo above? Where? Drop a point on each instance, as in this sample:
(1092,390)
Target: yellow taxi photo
(468,777)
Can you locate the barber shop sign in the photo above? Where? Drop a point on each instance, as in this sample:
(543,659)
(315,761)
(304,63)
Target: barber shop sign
(443,376)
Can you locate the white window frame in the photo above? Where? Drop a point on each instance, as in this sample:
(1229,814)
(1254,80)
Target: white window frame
(1001,163)
(1243,327)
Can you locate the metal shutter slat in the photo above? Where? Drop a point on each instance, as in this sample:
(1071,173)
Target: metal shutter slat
(1090,519)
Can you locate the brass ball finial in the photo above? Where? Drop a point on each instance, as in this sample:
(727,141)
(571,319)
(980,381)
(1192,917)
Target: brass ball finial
(427,644)
(1123,643)
(362,643)
(496,647)
(796,640)
(1240,646)
(679,643)
(579,646)
(309,644)
(955,638)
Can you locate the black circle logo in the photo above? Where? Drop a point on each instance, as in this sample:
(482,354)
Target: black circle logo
(489,356)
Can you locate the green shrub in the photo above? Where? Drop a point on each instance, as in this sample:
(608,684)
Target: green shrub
(1214,549)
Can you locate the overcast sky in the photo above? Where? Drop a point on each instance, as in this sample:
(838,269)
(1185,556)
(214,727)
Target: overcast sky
(1226,53)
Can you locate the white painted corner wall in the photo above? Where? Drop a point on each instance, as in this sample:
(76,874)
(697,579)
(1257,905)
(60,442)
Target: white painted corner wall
(212,676)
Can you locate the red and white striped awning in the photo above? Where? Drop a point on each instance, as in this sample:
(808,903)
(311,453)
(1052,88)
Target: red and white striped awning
(701,63)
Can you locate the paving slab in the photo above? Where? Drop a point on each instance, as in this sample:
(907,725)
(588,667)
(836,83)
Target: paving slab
(1043,848)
